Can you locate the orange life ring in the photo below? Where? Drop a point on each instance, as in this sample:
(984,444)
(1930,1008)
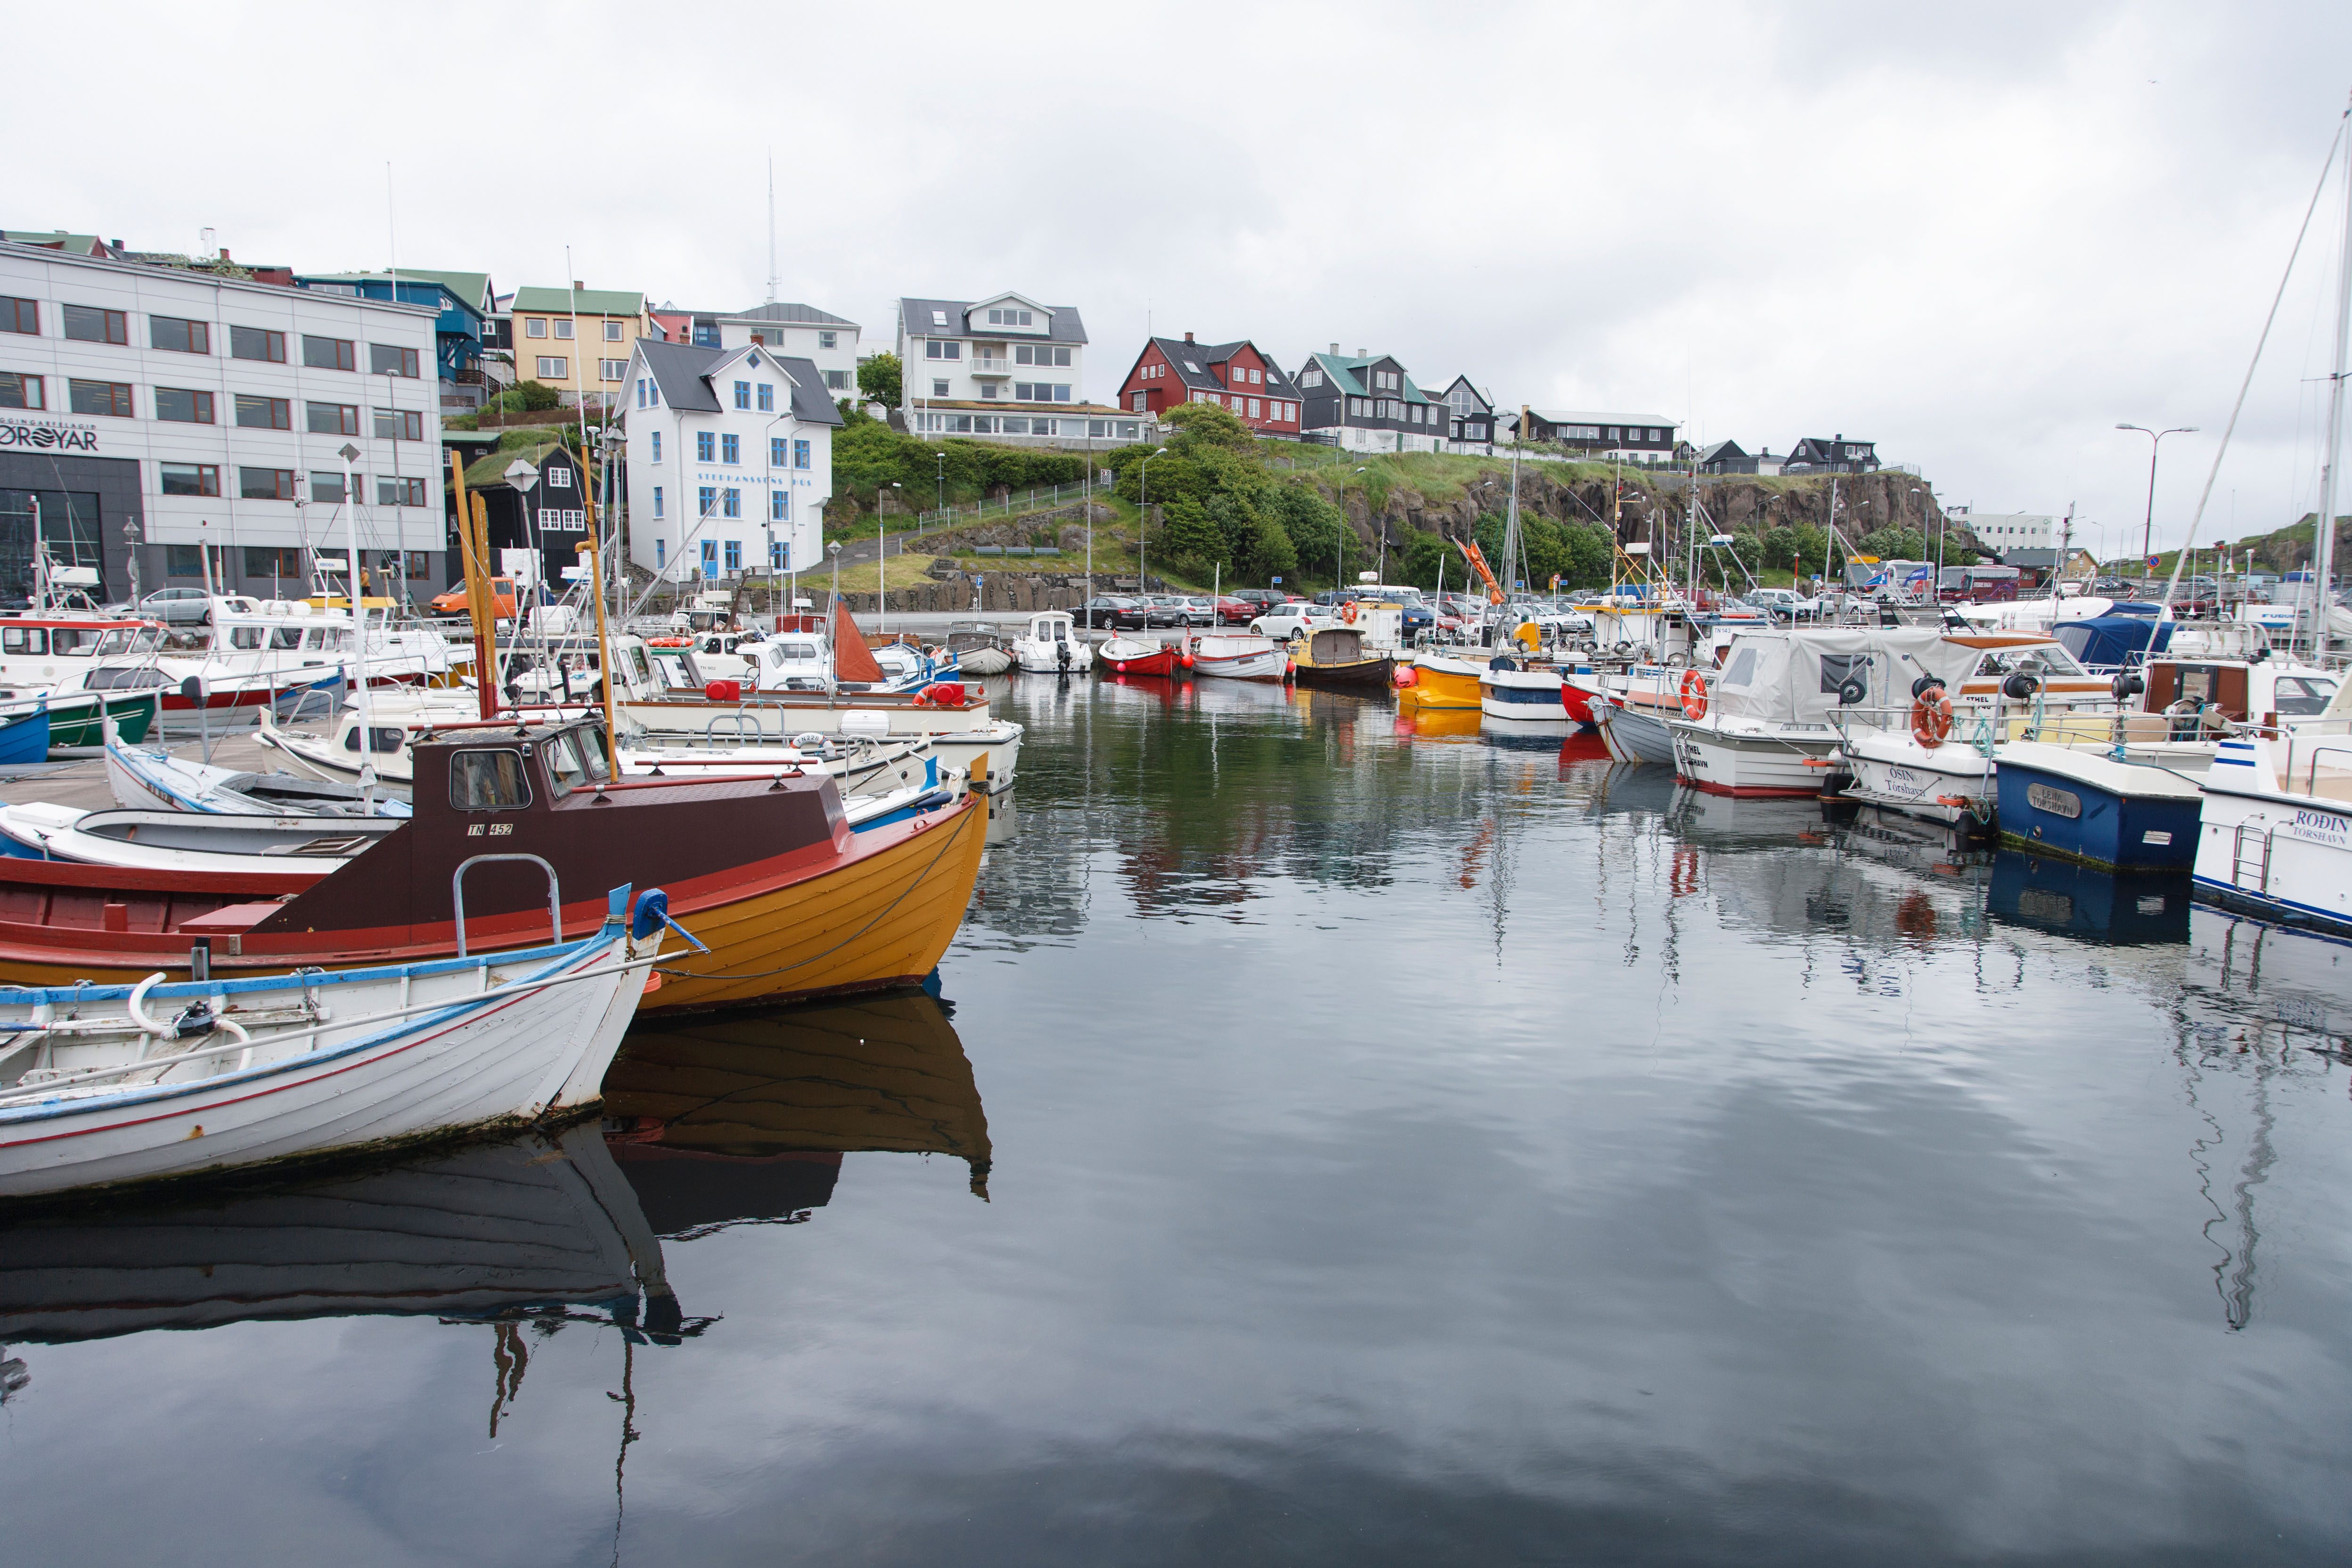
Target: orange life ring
(1931,717)
(1694,694)
(1349,614)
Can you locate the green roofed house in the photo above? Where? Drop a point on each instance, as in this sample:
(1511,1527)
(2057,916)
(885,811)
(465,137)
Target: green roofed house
(578,340)
(1368,404)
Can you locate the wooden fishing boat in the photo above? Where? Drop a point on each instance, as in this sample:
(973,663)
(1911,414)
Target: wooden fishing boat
(154,780)
(767,870)
(1339,656)
(24,732)
(102,1085)
(1125,655)
(1237,658)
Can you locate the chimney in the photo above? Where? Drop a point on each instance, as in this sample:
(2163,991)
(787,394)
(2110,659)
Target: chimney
(1335,350)
(577,284)
(1363,354)
(1188,337)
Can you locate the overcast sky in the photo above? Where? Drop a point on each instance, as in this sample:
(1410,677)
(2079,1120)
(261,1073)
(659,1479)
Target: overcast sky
(1979,239)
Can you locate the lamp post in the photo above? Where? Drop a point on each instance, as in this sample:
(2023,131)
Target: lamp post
(943,483)
(881,565)
(2147,526)
(1142,521)
(1339,573)
(833,613)
(349,455)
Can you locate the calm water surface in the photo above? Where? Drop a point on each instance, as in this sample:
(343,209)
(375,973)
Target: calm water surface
(1332,1142)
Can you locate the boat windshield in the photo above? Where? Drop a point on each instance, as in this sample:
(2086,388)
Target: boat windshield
(564,761)
(2043,659)
(126,641)
(2301,696)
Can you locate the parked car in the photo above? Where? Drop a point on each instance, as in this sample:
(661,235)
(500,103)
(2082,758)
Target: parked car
(1172,609)
(1785,604)
(1233,610)
(1114,611)
(1261,599)
(1199,610)
(178,606)
(1294,620)
(502,600)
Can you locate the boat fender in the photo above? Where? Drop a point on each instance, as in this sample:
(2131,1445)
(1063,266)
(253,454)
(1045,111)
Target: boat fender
(1931,716)
(724,691)
(946,694)
(1406,677)
(652,913)
(1694,693)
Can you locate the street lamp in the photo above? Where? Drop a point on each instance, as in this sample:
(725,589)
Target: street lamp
(943,483)
(881,564)
(349,455)
(1142,520)
(2147,526)
(832,665)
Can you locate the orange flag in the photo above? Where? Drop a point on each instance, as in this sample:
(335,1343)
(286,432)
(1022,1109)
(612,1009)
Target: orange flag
(852,660)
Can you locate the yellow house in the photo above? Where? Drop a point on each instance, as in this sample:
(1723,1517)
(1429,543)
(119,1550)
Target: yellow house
(578,340)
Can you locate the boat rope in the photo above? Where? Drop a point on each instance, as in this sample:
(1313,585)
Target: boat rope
(947,844)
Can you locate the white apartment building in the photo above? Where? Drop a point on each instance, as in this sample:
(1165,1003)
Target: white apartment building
(149,411)
(2005,530)
(797,331)
(729,459)
(1003,366)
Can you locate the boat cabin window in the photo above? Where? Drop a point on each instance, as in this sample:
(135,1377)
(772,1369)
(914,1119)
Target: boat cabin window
(577,757)
(488,780)
(1743,668)
(126,640)
(381,740)
(2043,659)
(286,637)
(25,641)
(2301,696)
(245,637)
(644,671)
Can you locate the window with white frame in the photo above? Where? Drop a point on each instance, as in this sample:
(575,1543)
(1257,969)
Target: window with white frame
(1008,317)
(612,369)
(563,326)
(554,367)
(1040,354)
(534,326)
(828,340)
(613,332)
(939,388)
(836,381)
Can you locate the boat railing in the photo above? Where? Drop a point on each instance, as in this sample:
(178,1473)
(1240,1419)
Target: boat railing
(1974,728)
(2310,771)
(457,891)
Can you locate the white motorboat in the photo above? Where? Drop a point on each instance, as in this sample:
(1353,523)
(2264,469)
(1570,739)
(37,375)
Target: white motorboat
(1764,725)
(1508,689)
(151,779)
(978,650)
(300,848)
(1231,657)
(2275,837)
(105,1085)
(1051,646)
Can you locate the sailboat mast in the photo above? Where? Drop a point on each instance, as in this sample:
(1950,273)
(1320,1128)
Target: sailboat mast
(2323,555)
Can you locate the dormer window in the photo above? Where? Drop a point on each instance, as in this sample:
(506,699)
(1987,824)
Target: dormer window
(1008,317)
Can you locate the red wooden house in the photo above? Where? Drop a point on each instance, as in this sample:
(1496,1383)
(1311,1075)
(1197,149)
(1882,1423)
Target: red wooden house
(1234,375)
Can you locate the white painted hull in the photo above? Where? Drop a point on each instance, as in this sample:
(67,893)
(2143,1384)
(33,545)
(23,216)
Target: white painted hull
(1524,694)
(192,841)
(1634,734)
(1898,772)
(1240,659)
(983,662)
(2282,856)
(509,1053)
(1740,761)
(1044,657)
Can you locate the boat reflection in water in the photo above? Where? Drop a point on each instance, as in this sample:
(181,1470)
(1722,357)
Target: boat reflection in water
(734,1120)
(1437,723)
(536,1227)
(2081,901)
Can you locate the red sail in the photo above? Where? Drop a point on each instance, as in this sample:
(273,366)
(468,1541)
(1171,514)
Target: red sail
(852,660)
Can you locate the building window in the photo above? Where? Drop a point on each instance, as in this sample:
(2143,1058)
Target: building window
(388,359)
(731,502)
(800,454)
(112,399)
(398,491)
(261,560)
(1008,317)
(938,389)
(767,397)
(564,327)
(780,555)
(777,503)
(731,447)
(1253,408)
(1141,399)
(256,343)
(706,446)
(399,425)
(264,412)
(179,336)
(20,390)
(184,561)
(612,369)
(934,348)
(707,500)
(90,324)
(190,478)
(20,315)
(534,326)
(331,418)
(710,558)
(613,332)
(265,484)
(734,555)
(828,340)
(330,353)
(328,486)
(743,394)
(657,500)
(656,445)
(661,553)
(554,367)
(776,458)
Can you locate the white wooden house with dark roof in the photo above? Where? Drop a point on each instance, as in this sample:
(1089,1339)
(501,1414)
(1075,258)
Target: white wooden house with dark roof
(1237,376)
(729,459)
(1005,367)
(1368,404)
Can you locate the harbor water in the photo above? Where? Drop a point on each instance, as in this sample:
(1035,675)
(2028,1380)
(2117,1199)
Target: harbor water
(1334,1138)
